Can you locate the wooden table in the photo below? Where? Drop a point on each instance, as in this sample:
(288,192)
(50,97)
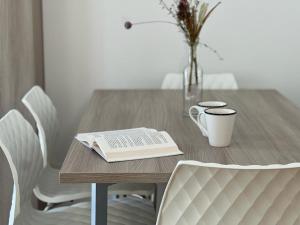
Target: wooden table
(267,131)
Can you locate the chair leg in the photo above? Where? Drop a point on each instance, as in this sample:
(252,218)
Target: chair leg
(40,204)
(159,191)
(49,206)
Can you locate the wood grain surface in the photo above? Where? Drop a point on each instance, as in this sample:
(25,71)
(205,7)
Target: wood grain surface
(267,131)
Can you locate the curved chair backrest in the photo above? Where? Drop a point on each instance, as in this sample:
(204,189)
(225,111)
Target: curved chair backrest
(172,81)
(202,193)
(45,116)
(211,81)
(225,81)
(22,149)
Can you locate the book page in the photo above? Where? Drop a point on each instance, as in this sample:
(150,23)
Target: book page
(131,140)
(88,139)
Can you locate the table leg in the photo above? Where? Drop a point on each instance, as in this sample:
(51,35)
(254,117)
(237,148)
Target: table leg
(159,192)
(99,204)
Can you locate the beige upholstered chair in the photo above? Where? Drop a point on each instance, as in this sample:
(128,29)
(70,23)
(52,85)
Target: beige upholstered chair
(20,145)
(213,194)
(211,81)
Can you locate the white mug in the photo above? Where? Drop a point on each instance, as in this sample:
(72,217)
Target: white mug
(220,123)
(197,118)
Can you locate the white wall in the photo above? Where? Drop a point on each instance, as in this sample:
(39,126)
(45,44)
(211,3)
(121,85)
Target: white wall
(86,47)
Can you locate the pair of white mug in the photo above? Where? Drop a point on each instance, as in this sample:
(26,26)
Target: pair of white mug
(214,121)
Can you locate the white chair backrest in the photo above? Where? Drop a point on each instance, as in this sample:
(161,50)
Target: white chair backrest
(172,81)
(224,81)
(21,147)
(45,116)
(211,81)
(201,193)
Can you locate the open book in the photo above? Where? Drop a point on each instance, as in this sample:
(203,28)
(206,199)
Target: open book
(138,143)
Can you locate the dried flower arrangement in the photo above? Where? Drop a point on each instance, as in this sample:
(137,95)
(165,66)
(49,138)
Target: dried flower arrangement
(190,17)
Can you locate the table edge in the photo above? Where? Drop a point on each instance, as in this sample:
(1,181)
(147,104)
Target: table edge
(113,178)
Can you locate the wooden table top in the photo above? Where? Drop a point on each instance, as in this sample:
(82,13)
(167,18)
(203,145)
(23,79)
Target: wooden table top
(267,131)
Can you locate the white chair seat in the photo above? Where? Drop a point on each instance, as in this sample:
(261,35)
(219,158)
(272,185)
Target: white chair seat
(55,192)
(129,211)
(49,189)
(210,81)
(65,216)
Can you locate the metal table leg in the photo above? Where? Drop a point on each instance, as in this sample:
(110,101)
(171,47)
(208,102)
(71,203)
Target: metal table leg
(159,192)
(99,204)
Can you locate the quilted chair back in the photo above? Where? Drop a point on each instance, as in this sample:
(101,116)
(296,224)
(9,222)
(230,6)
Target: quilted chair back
(213,194)
(45,116)
(21,147)
(225,81)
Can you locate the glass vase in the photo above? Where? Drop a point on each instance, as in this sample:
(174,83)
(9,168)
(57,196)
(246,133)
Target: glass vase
(192,81)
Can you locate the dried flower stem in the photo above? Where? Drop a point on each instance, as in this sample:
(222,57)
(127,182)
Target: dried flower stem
(212,50)
(154,21)
(196,70)
(191,67)
(165,6)
(206,17)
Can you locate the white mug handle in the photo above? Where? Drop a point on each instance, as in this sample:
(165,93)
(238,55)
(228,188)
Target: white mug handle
(201,126)
(191,114)
(198,120)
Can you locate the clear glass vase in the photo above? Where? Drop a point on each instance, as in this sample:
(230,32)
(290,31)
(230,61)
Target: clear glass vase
(192,81)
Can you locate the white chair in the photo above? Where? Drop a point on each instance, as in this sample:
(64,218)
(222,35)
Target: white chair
(210,81)
(22,150)
(48,189)
(203,193)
